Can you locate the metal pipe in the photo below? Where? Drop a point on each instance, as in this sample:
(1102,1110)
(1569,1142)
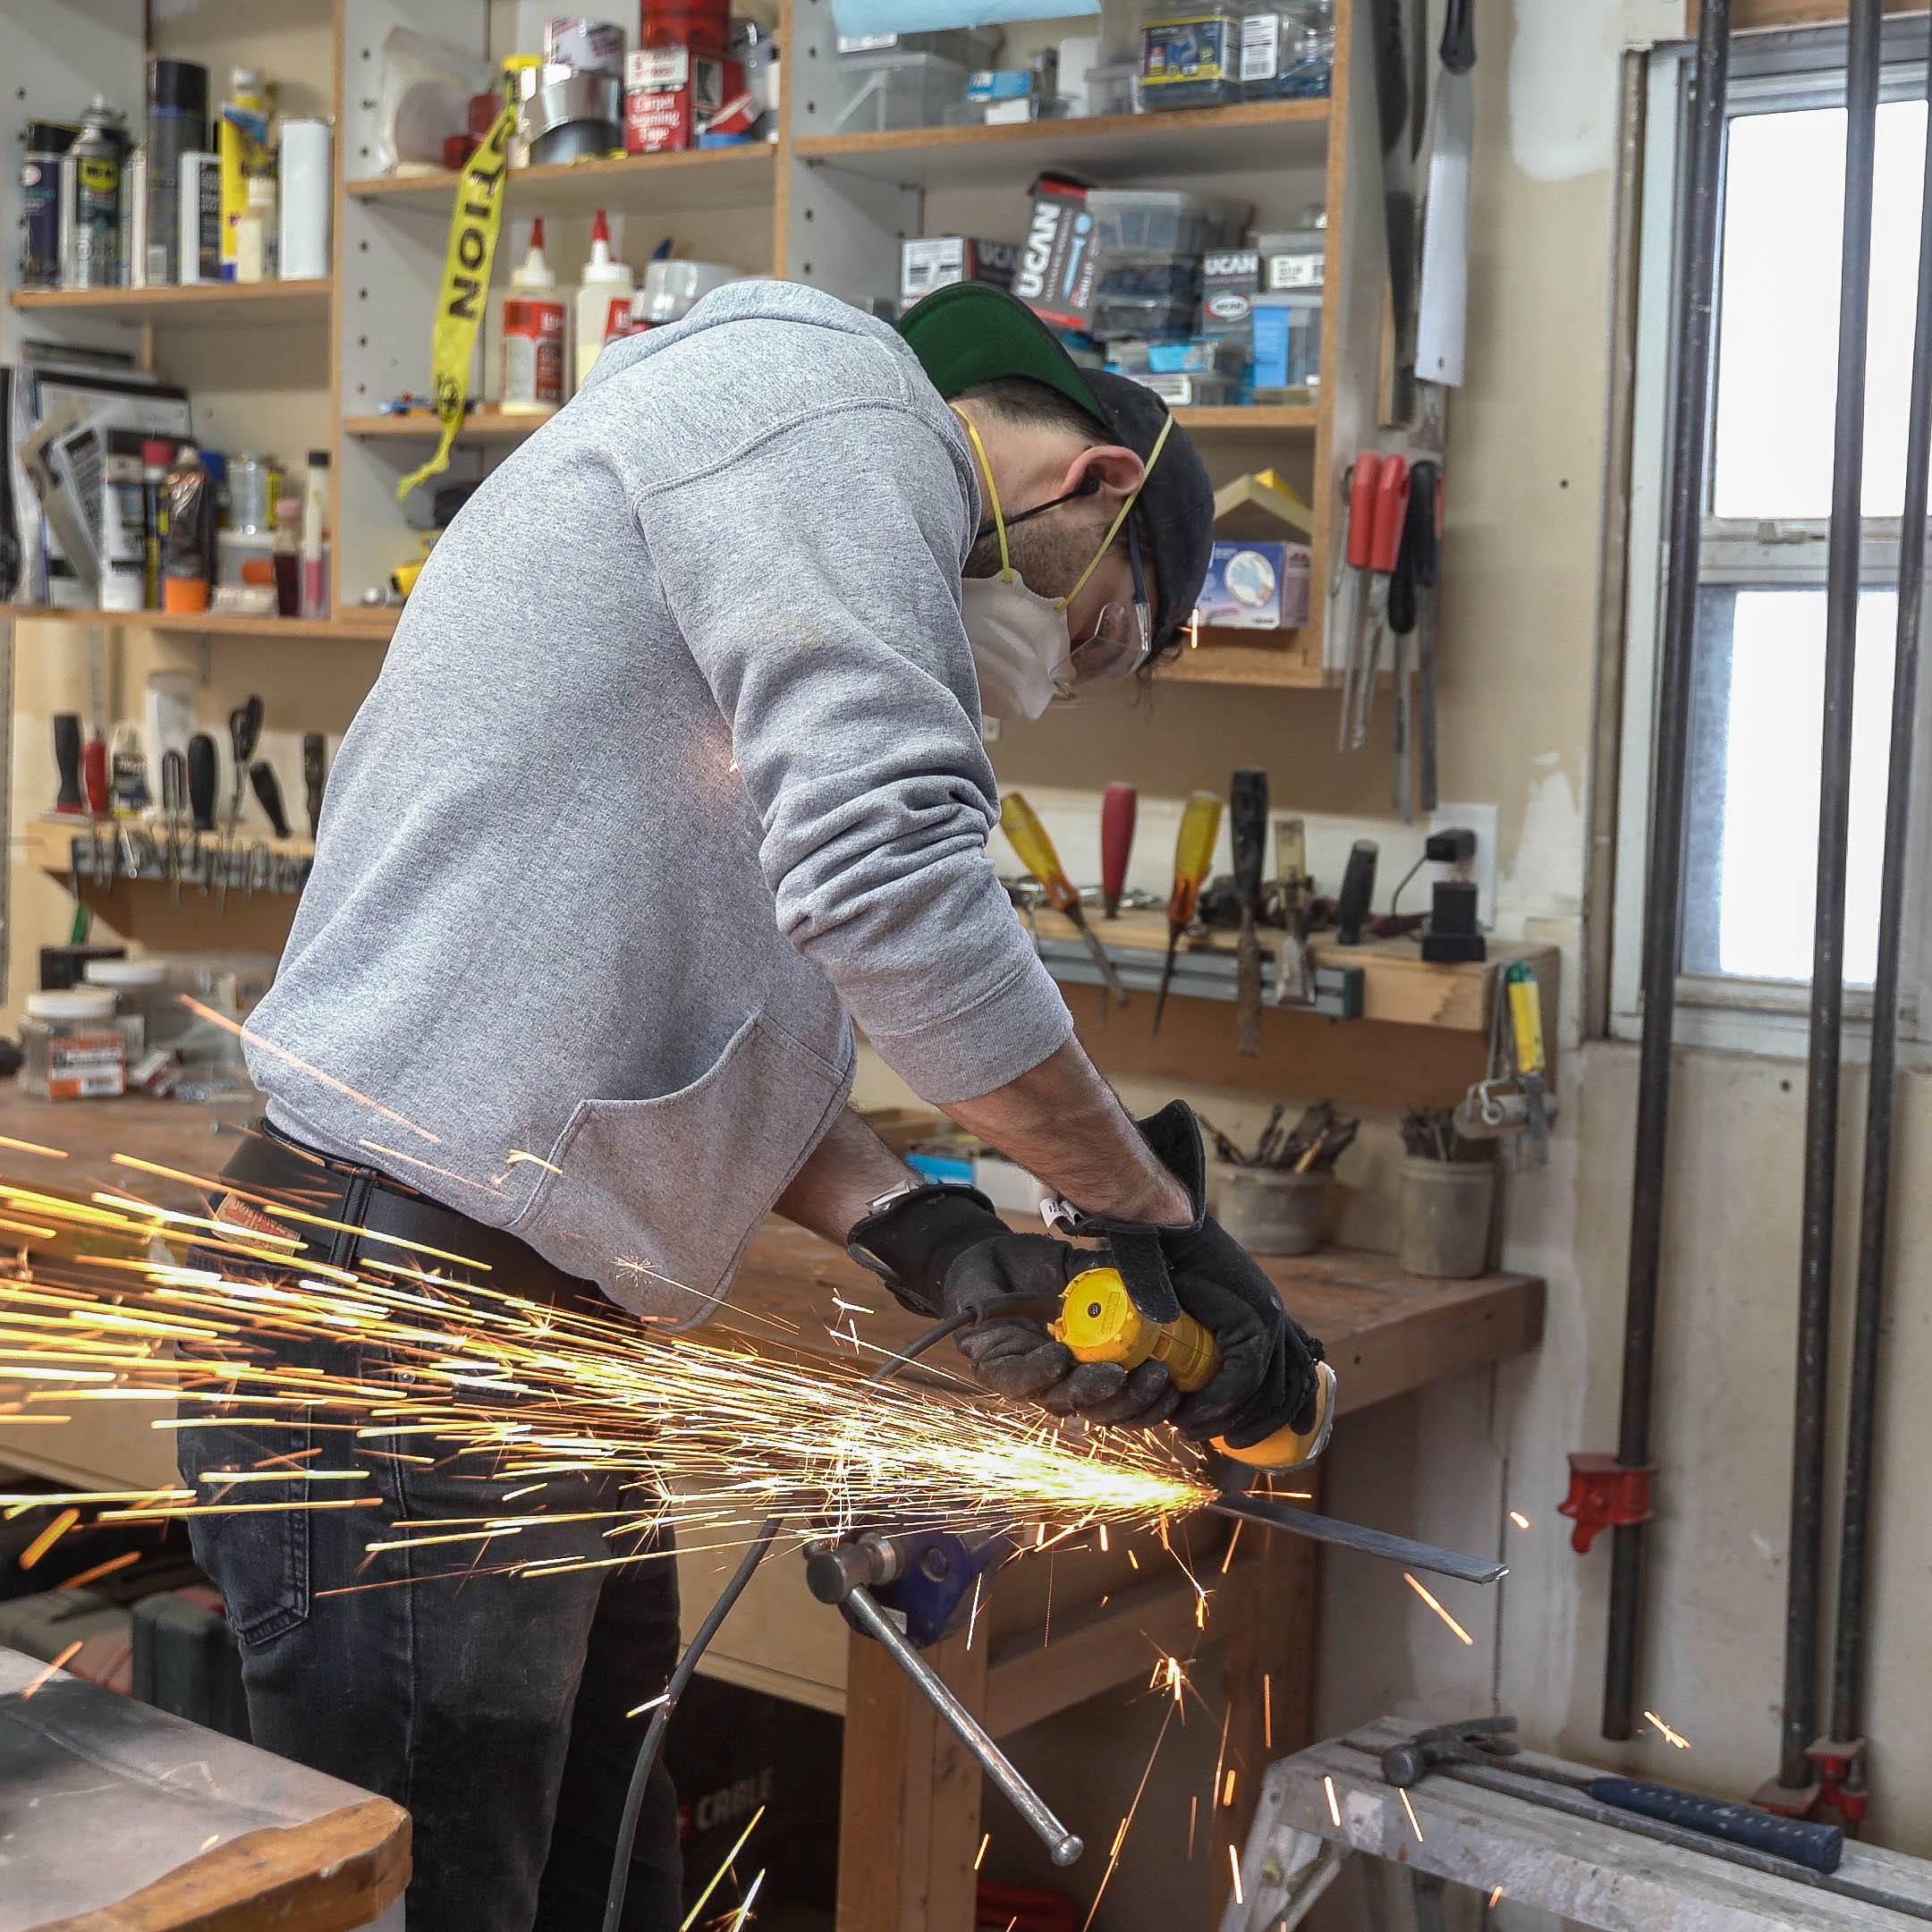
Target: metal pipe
(1880,1112)
(1357,1537)
(1798,1727)
(1061,1843)
(1663,903)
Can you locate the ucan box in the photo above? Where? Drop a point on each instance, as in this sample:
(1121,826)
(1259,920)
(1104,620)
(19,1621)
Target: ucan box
(937,261)
(1256,585)
(671,93)
(1055,275)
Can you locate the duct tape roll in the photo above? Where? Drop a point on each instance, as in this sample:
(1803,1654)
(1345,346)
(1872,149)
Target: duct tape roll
(308,190)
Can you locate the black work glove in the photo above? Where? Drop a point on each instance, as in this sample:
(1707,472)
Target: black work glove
(943,1250)
(1267,1380)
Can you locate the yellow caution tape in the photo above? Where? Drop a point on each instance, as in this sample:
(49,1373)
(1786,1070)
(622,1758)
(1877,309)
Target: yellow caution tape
(466,274)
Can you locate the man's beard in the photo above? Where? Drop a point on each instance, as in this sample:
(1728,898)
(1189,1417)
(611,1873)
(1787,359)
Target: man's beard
(1049,554)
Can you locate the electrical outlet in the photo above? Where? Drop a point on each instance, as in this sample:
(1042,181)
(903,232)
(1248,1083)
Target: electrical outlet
(1482,820)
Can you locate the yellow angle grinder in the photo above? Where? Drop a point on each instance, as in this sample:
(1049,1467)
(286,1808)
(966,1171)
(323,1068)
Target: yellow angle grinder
(1099,1323)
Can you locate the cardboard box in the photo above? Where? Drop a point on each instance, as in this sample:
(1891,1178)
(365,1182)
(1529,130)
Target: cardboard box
(1057,272)
(1259,586)
(671,94)
(1229,286)
(937,261)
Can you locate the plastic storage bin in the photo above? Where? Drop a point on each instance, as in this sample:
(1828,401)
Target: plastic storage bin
(1192,392)
(1295,257)
(142,990)
(1287,347)
(1190,56)
(1114,88)
(1163,221)
(1287,50)
(1203,355)
(1150,317)
(895,89)
(74,1045)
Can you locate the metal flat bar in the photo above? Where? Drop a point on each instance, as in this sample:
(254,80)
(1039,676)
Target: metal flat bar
(1357,1537)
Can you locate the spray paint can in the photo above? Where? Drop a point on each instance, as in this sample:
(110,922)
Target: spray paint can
(91,201)
(177,125)
(40,202)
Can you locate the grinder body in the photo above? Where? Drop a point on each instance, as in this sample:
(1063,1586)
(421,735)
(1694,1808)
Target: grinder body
(1100,1322)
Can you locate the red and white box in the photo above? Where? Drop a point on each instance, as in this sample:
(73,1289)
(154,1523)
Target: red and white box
(671,93)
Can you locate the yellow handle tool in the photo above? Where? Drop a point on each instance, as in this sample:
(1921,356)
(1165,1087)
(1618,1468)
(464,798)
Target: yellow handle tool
(1201,826)
(1027,837)
(1526,1018)
(1099,1322)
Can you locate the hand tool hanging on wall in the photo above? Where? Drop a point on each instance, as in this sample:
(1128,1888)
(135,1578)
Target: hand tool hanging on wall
(1201,826)
(202,765)
(268,788)
(1119,807)
(1248,824)
(315,775)
(1295,903)
(1401,70)
(1379,543)
(1358,893)
(173,812)
(1358,539)
(1442,300)
(67,761)
(1027,837)
(1422,565)
(244,734)
(1663,876)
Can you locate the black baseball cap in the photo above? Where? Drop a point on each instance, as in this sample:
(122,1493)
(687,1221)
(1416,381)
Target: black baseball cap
(971,332)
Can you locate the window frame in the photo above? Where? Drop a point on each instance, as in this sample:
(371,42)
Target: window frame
(1727,1012)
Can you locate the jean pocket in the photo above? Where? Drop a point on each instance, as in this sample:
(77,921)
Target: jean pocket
(258,1558)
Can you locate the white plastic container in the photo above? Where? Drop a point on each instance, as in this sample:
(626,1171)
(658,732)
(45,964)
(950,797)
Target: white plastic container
(74,1045)
(533,334)
(142,990)
(605,280)
(673,289)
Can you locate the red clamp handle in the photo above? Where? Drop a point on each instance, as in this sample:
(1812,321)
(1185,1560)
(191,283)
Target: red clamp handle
(1390,513)
(1362,481)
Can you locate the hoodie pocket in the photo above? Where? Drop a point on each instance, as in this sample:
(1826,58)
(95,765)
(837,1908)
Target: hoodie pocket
(655,1199)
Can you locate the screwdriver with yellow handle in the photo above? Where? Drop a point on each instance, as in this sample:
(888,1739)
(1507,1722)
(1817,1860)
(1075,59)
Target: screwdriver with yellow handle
(1099,1323)
(1201,826)
(1028,836)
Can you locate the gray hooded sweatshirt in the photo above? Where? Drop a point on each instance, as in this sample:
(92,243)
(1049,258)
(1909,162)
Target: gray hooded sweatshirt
(673,764)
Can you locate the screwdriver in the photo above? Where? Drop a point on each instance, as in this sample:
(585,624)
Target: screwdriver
(1358,524)
(1201,826)
(1392,492)
(1027,837)
(1118,808)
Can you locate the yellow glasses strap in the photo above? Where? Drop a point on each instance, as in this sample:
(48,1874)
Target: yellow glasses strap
(999,520)
(1114,528)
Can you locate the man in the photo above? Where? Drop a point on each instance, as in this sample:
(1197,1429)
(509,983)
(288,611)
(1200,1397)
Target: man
(674,764)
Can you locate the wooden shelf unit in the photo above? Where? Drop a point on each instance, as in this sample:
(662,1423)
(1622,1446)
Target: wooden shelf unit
(342,630)
(479,426)
(205,304)
(700,178)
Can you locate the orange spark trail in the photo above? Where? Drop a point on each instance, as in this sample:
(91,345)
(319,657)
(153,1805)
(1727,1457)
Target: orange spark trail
(1437,1608)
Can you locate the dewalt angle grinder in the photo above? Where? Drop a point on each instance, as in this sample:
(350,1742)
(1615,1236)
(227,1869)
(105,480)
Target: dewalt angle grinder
(1099,1322)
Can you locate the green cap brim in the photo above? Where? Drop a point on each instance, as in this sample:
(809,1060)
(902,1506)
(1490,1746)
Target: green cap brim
(973,333)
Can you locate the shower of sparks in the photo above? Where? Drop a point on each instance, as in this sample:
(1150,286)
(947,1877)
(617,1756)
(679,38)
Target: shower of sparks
(1665,1733)
(979,1856)
(1126,1824)
(1214,1783)
(1494,1897)
(32,1147)
(53,1669)
(702,1437)
(48,1537)
(638,1710)
(1437,1608)
(691,1918)
(1414,1823)
(1193,1818)
(535,1160)
(1335,1810)
(1268,1711)
(1233,1859)
(1234,1539)
(744,1910)
(101,1570)
(1517,1517)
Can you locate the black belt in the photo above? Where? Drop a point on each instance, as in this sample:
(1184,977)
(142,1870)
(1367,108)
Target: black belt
(367,1201)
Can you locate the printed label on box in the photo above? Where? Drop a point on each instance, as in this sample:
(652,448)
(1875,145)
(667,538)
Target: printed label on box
(1055,277)
(1191,48)
(1256,585)
(86,1066)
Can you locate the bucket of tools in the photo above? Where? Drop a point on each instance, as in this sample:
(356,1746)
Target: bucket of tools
(1273,1197)
(1448,1198)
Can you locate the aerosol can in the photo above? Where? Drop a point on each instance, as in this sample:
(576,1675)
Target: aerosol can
(91,201)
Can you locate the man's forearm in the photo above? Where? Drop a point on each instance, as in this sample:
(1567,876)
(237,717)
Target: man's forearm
(848,1169)
(1061,1122)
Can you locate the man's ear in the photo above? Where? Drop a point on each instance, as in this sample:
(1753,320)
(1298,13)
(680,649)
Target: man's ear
(1109,466)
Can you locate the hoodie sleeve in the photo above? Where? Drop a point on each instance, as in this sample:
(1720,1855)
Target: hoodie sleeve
(815,577)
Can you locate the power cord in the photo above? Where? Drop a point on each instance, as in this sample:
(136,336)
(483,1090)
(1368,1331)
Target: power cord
(652,1748)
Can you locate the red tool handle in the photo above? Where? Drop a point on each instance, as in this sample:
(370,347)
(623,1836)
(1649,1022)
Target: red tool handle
(1118,808)
(1361,508)
(94,776)
(1390,513)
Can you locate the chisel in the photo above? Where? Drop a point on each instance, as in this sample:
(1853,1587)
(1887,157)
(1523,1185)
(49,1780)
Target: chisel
(1027,837)
(1119,807)
(1248,808)
(268,791)
(1358,893)
(1200,826)
(315,776)
(1423,545)
(201,788)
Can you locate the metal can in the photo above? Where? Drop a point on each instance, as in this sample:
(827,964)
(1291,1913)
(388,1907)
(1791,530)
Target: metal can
(134,220)
(254,482)
(91,201)
(41,197)
(572,41)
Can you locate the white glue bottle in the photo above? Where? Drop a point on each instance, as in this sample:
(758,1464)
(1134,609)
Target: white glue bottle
(533,334)
(605,281)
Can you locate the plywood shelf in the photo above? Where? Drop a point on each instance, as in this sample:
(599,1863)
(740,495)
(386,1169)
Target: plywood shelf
(360,629)
(236,304)
(1255,418)
(47,843)
(420,426)
(659,184)
(1196,140)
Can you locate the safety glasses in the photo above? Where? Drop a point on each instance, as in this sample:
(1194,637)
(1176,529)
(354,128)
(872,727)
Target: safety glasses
(1120,640)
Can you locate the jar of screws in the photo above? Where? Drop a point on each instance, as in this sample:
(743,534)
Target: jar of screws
(1448,1197)
(1272,1198)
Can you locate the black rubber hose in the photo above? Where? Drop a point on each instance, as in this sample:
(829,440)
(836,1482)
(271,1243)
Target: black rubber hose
(652,1748)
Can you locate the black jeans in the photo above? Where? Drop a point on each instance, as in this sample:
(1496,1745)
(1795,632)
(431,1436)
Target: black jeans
(493,1708)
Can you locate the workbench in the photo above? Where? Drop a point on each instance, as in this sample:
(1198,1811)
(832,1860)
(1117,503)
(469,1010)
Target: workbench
(1053,1632)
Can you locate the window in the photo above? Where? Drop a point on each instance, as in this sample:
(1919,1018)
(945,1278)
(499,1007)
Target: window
(1751,834)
